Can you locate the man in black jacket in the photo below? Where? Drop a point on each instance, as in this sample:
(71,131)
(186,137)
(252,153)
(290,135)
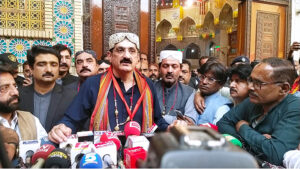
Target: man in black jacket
(65,77)
(46,99)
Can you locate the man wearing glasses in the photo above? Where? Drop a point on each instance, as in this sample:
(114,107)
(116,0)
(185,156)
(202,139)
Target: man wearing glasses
(268,122)
(212,78)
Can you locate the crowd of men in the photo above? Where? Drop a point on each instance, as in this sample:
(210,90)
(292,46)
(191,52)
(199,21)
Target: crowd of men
(257,104)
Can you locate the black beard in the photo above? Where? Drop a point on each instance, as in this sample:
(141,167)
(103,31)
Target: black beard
(7,108)
(168,84)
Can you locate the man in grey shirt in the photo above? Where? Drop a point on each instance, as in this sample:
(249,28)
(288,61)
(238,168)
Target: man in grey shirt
(47,100)
(172,94)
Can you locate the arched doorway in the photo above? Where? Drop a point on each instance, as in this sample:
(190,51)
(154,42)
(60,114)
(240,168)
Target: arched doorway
(192,51)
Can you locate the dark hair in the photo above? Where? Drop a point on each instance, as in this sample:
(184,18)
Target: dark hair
(154,64)
(39,49)
(25,63)
(283,70)
(99,62)
(103,56)
(217,69)
(201,58)
(242,70)
(254,63)
(6,69)
(91,52)
(61,47)
(184,61)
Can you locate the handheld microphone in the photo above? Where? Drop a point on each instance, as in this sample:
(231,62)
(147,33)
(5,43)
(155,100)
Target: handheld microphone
(133,155)
(137,141)
(107,149)
(38,159)
(27,149)
(58,159)
(78,150)
(108,161)
(91,160)
(105,137)
(132,128)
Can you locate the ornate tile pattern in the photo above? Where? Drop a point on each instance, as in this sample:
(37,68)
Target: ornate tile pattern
(33,19)
(22,14)
(19,48)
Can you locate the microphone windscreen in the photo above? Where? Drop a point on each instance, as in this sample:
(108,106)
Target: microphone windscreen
(233,140)
(91,160)
(132,128)
(42,152)
(58,159)
(105,137)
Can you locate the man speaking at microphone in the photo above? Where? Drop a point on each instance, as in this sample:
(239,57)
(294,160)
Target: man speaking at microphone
(111,99)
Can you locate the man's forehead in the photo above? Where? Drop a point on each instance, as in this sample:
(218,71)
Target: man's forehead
(46,57)
(170,60)
(104,64)
(64,52)
(6,78)
(125,44)
(84,55)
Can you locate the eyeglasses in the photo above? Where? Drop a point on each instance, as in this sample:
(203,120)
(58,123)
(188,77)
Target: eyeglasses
(210,80)
(5,88)
(257,84)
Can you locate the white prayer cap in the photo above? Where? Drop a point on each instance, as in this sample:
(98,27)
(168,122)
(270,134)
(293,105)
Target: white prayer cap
(170,53)
(119,37)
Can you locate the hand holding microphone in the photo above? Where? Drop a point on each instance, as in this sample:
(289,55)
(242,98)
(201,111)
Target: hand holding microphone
(59,133)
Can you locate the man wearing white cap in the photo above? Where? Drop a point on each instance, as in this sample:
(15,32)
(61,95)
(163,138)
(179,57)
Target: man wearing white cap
(172,95)
(111,99)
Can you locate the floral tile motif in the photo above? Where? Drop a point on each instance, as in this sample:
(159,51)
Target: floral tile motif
(68,44)
(63,30)
(63,9)
(42,42)
(3,46)
(19,47)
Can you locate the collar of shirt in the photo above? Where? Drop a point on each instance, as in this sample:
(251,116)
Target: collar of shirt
(13,124)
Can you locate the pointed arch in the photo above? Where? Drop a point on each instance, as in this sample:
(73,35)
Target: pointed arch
(208,23)
(192,51)
(187,26)
(226,16)
(163,28)
(170,47)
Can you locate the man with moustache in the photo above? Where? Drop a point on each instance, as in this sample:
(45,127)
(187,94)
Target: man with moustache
(172,94)
(238,76)
(153,72)
(185,76)
(212,79)
(268,122)
(86,66)
(111,99)
(64,77)
(46,99)
(27,126)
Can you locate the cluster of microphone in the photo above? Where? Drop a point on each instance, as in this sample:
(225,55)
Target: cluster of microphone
(99,149)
